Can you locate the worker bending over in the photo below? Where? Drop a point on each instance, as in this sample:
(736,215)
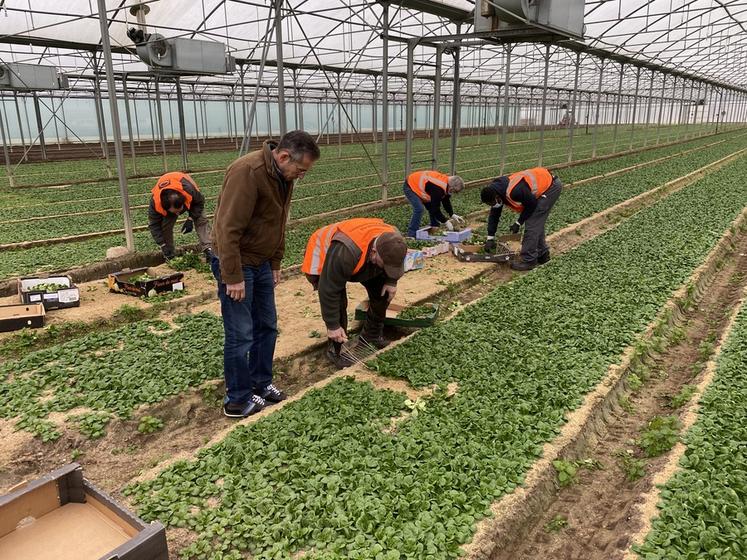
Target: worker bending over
(174,194)
(531,193)
(364,250)
(431,190)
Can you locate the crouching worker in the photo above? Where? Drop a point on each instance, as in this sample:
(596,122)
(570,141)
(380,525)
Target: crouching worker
(174,194)
(364,250)
(532,194)
(431,190)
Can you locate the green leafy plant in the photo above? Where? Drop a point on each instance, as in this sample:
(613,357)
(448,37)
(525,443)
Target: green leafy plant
(683,397)
(634,382)
(129,313)
(660,435)
(631,466)
(149,425)
(556,524)
(566,470)
(91,424)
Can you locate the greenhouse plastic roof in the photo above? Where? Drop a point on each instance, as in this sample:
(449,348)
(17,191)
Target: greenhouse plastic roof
(704,38)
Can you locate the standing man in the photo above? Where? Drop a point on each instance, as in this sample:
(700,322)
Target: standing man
(531,193)
(174,194)
(364,250)
(431,190)
(248,244)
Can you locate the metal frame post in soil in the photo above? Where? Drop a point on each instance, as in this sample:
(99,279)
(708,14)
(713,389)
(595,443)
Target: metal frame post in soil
(114,110)
(20,126)
(648,108)
(8,166)
(385,104)
(409,105)
(159,117)
(455,108)
(436,107)
(39,126)
(194,109)
(504,132)
(635,107)
(661,108)
(126,100)
(182,127)
(598,108)
(572,123)
(279,65)
(618,107)
(100,113)
(543,114)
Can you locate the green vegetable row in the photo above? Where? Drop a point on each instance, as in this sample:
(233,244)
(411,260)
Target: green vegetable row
(703,511)
(328,475)
(71,254)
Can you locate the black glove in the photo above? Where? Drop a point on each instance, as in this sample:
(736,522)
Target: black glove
(188,225)
(514,228)
(489,246)
(208,252)
(168,252)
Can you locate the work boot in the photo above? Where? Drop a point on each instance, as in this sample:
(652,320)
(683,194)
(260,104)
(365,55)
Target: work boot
(523,265)
(340,359)
(544,257)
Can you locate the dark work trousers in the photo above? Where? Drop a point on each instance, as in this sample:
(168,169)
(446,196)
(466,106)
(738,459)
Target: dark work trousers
(373,327)
(533,244)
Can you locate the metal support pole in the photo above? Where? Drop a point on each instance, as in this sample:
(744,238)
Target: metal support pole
(159,115)
(279,56)
(648,108)
(39,126)
(20,125)
(544,106)
(194,108)
(661,108)
(114,110)
(618,107)
(374,116)
(455,110)
(573,108)
(436,107)
(243,107)
(152,126)
(129,122)
(409,106)
(671,107)
(8,166)
(339,114)
(504,129)
(596,115)
(182,127)
(54,120)
(385,104)
(635,107)
(100,113)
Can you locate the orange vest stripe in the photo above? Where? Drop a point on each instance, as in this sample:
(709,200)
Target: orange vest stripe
(173,182)
(361,232)
(539,180)
(419,179)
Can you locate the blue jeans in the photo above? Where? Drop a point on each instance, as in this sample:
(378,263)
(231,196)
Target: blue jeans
(417,209)
(251,329)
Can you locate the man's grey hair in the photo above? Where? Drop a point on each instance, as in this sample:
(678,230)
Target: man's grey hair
(299,144)
(456,184)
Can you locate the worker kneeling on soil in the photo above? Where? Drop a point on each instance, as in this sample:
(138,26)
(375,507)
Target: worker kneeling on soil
(531,193)
(364,250)
(431,190)
(174,194)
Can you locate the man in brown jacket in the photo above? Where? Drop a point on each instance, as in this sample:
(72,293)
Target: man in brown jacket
(248,247)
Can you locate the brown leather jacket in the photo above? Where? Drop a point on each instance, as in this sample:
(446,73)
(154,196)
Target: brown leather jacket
(251,214)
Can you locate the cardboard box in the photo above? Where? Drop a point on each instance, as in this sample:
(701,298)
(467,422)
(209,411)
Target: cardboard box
(414,260)
(435,250)
(18,316)
(62,516)
(426,234)
(69,296)
(122,282)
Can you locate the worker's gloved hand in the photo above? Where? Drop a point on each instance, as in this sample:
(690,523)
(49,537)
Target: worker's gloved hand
(456,218)
(514,228)
(168,252)
(489,245)
(448,224)
(188,226)
(208,253)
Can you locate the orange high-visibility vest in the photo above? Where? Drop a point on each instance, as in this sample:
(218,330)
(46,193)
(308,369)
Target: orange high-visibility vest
(172,182)
(418,180)
(539,180)
(361,231)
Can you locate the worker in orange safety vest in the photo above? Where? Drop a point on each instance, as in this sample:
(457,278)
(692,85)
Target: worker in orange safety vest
(530,193)
(364,250)
(173,194)
(431,190)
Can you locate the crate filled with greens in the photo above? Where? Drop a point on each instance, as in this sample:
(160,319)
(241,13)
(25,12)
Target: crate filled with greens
(144,282)
(54,292)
